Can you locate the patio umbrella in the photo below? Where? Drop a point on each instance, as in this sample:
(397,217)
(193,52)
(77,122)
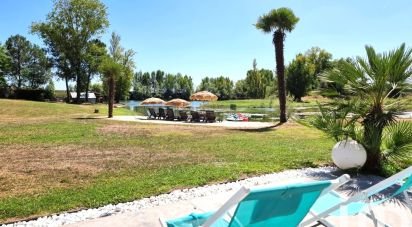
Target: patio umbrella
(203,96)
(177,103)
(151,101)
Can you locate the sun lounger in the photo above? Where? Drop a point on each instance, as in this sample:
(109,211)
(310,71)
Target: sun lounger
(183,115)
(334,204)
(161,114)
(152,114)
(210,116)
(285,205)
(170,115)
(195,116)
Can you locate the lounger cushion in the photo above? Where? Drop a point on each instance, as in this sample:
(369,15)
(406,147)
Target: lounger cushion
(331,199)
(279,206)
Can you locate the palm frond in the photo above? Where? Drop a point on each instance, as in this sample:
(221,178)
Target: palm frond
(334,122)
(264,24)
(397,142)
(282,19)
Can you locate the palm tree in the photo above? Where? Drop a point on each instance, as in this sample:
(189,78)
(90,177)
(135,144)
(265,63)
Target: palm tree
(279,21)
(110,70)
(371,81)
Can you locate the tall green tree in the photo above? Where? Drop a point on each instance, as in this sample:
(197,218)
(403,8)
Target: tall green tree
(50,90)
(268,82)
(29,66)
(68,30)
(169,86)
(124,58)
(241,89)
(298,80)
(279,21)
(254,82)
(38,71)
(19,49)
(94,57)
(110,70)
(317,60)
(370,81)
(5,63)
(205,84)
(159,78)
(258,82)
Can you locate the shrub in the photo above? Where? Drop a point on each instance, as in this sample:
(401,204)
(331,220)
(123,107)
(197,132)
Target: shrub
(30,94)
(232,106)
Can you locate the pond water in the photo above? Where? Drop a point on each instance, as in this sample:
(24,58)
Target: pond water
(263,114)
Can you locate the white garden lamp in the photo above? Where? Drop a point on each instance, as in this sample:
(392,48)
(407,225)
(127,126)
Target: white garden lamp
(348,154)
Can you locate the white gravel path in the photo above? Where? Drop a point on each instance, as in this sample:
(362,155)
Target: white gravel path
(176,196)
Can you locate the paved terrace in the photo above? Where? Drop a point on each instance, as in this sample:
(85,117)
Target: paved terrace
(394,212)
(244,125)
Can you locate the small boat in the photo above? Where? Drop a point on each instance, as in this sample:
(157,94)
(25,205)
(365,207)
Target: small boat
(237,117)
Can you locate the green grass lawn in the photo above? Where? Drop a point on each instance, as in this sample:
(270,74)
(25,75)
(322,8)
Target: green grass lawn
(21,110)
(55,157)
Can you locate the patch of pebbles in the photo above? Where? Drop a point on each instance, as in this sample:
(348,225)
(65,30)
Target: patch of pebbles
(175,196)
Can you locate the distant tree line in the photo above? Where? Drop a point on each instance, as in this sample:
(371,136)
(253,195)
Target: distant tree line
(258,84)
(162,85)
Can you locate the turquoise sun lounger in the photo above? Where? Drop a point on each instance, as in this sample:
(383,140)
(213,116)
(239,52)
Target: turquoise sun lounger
(335,204)
(285,205)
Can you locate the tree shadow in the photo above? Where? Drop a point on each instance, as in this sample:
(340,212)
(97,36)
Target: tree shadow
(361,182)
(262,129)
(90,118)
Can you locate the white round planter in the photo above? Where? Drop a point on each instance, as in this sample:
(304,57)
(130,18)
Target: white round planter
(348,154)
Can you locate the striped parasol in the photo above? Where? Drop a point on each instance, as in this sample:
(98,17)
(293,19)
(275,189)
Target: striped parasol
(177,103)
(151,101)
(203,96)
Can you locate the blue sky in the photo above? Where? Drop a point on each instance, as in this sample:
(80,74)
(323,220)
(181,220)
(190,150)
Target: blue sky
(215,37)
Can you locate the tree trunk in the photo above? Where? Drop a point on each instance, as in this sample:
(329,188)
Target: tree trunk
(19,79)
(118,94)
(373,125)
(111,95)
(87,87)
(19,82)
(373,162)
(278,38)
(78,79)
(67,89)
(78,87)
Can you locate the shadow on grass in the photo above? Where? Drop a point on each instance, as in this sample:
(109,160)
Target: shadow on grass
(90,118)
(262,129)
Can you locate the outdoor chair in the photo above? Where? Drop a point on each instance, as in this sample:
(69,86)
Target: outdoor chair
(210,116)
(285,205)
(170,115)
(152,114)
(161,114)
(334,204)
(183,115)
(195,116)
